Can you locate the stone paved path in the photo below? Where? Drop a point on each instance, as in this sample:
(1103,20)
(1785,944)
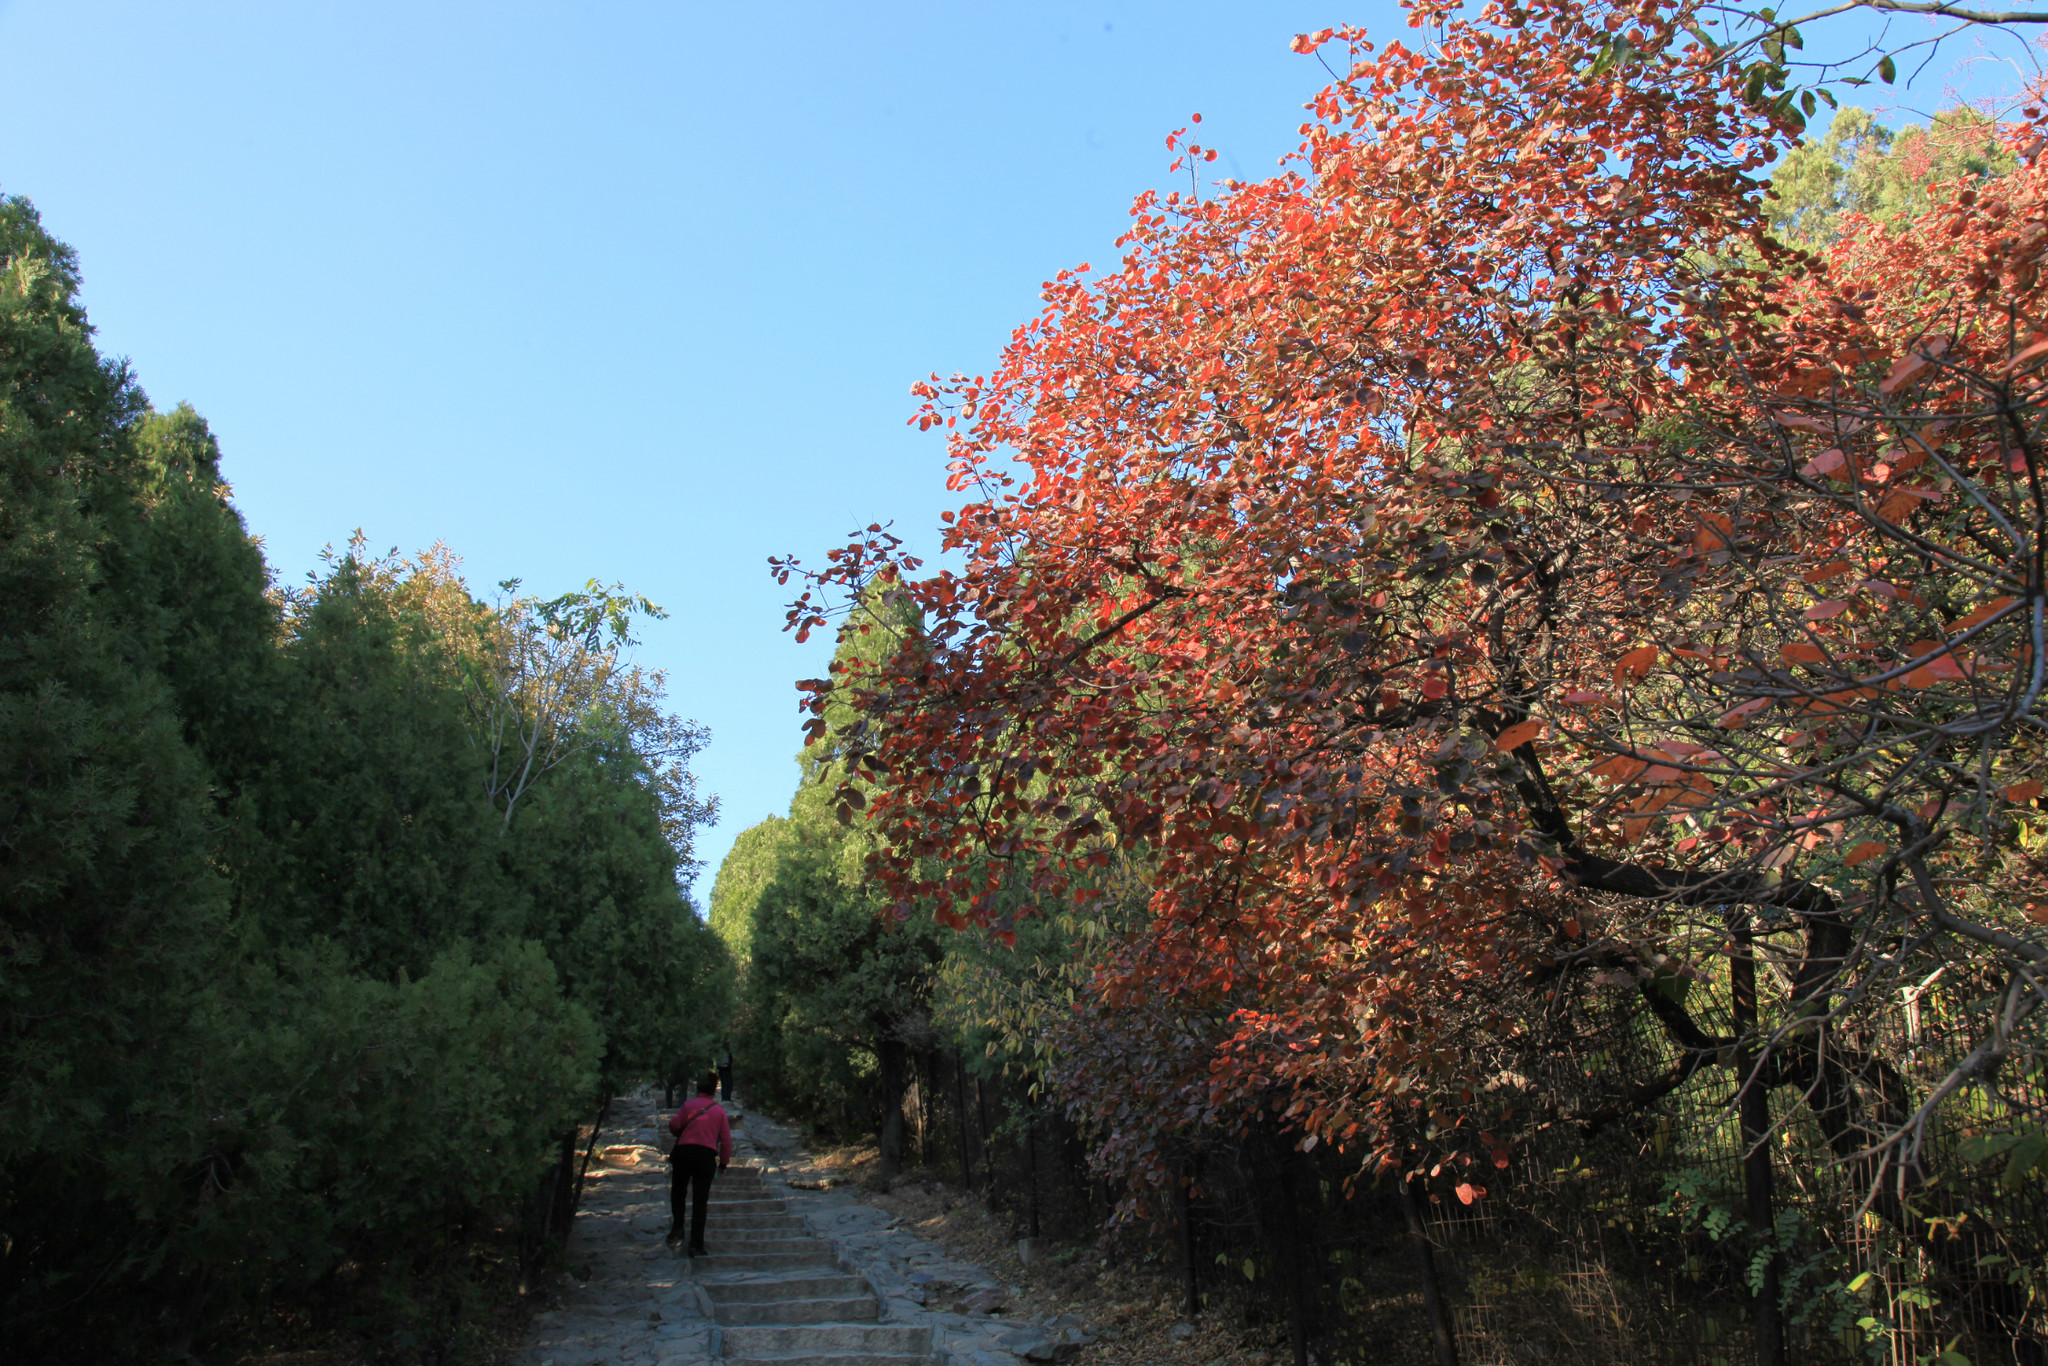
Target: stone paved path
(795,1273)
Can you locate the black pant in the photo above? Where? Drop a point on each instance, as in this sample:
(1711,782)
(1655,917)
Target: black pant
(691,1167)
(725,1082)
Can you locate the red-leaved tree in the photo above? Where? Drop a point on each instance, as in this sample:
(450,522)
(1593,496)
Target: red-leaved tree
(1478,568)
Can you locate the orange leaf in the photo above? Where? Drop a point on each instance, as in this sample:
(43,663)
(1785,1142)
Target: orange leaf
(1467,1192)
(1738,716)
(2023,357)
(1634,665)
(1714,534)
(1898,505)
(1799,652)
(1864,852)
(1621,768)
(1981,614)
(2023,792)
(1833,569)
(1912,363)
(1517,735)
(1821,611)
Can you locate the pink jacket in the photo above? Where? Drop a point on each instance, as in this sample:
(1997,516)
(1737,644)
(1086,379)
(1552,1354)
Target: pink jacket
(702,1124)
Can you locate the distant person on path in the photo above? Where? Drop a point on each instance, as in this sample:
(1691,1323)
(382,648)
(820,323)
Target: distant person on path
(703,1149)
(725,1070)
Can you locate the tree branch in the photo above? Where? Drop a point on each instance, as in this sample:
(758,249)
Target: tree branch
(1942,10)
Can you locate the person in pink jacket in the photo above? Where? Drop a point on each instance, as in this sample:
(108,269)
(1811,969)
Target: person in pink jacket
(703,1148)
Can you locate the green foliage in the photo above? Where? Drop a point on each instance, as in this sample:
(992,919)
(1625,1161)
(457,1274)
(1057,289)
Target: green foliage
(598,879)
(748,868)
(367,824)
(111,914)
(833,978)
(291,1005)
(837,983)
(1861,167)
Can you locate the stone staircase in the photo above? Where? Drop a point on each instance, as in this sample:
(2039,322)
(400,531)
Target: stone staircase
(778,1292)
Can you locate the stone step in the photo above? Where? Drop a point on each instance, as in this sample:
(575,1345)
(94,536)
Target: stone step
(757,1246)
(831,1358)
(826,1339)
(785,1287)
(727,1219)
(766,1261)
(852,1309)
(753,1238)
(742,1205)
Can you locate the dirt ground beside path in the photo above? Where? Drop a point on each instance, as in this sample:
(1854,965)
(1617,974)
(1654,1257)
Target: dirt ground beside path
(1139,1306)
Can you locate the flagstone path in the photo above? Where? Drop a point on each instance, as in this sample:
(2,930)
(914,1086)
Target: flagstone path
(797,1272)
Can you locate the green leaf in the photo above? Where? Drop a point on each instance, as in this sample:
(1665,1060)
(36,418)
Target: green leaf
(1982,1147)
(2026,1155)
(1886,72)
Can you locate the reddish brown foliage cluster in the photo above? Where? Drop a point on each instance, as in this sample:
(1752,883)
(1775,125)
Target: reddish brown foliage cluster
(1481,566)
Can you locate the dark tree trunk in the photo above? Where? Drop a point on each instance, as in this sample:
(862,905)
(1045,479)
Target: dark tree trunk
(1031,1165)
(1435,1306)
(893,1058)
(1299,1273)
(1753,1109)
(960,1111)
(988,1166)
(1184,1228)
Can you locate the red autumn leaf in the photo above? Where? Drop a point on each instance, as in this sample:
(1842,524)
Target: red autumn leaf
(1827,462)
(1517,735)
(1912,363)
(1865,852)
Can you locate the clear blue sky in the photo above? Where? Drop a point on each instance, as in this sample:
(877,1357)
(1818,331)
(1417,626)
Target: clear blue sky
(633,291)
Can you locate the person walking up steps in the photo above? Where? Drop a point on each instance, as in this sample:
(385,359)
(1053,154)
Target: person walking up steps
(703,1149)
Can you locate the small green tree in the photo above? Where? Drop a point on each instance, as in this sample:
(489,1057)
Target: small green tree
(1861,167)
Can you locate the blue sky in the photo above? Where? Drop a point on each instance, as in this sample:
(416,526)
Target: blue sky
(625,291)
